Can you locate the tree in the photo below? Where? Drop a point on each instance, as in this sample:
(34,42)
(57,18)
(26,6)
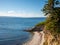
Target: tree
(53,20)
(49,7)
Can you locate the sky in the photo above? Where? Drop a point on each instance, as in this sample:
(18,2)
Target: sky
(22,8)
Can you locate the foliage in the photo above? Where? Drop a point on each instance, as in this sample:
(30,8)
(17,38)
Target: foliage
(41,23)
(53,20)
(49,7)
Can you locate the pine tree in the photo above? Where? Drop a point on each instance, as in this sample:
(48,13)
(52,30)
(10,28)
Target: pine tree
(53,19)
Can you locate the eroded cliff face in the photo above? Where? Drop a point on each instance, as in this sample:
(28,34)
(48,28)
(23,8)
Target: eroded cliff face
(43,37)
(51,39)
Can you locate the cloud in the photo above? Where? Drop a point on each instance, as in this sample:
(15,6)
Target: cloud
(11,11)
(20,14)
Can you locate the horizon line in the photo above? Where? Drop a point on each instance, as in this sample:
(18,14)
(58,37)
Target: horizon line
(22,17)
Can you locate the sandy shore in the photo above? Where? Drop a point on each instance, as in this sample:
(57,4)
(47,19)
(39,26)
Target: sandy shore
(37,39)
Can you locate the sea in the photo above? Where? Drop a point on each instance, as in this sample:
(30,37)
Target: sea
(12,29)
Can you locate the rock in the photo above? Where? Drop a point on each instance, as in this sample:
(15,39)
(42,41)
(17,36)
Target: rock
(36,28)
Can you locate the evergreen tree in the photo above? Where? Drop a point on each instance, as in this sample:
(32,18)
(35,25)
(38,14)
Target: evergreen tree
(53,19)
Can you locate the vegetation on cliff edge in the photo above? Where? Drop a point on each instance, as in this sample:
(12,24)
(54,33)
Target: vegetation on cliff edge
(52,22)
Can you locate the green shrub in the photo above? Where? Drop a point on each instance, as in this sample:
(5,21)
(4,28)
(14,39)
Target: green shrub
(41,23)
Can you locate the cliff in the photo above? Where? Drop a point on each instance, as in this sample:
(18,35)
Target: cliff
(49,38)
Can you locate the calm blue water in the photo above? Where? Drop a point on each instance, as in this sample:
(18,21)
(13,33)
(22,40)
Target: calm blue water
(11,29)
